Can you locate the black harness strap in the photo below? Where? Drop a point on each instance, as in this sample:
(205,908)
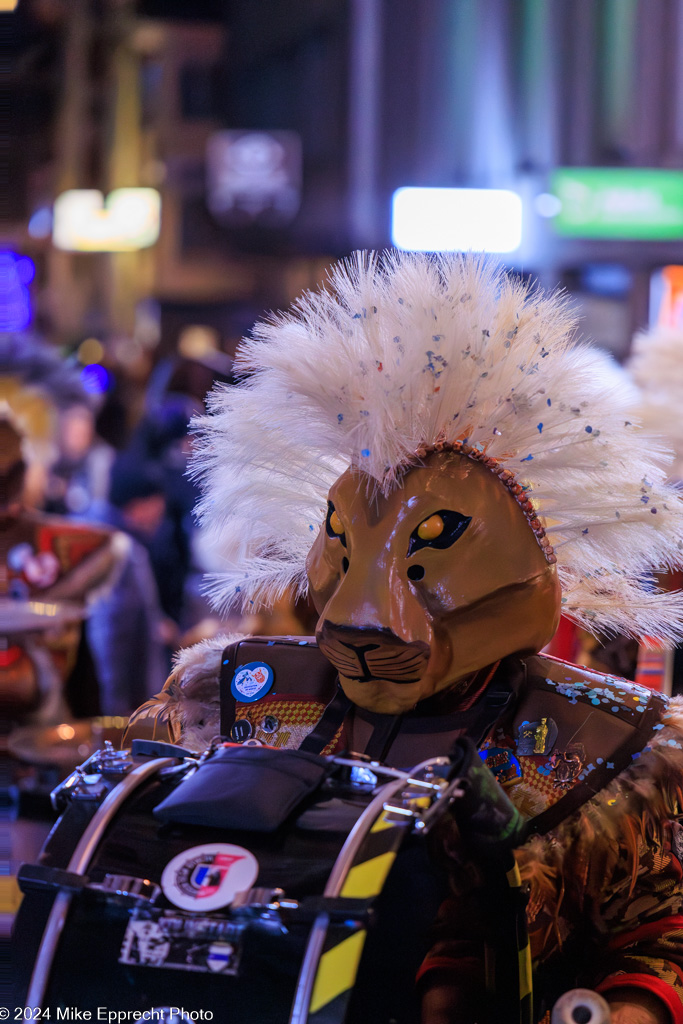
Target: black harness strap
(475,722)
(328,724)
(383,735)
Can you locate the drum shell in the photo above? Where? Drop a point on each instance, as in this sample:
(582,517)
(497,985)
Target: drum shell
(297,858)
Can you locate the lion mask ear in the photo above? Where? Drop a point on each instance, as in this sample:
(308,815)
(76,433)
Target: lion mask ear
(421,588)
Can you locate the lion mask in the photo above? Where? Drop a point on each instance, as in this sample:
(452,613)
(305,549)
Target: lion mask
(418,590)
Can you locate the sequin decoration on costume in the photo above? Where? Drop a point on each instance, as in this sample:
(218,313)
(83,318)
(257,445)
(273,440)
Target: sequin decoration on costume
(534,774)
(610,693)
(530,774)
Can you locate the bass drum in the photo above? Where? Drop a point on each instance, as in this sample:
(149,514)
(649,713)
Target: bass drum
(326,919)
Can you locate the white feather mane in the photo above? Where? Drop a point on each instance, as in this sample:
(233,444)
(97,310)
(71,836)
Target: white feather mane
(410,348)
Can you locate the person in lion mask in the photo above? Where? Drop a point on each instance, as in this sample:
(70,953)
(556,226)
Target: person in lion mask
(426,448)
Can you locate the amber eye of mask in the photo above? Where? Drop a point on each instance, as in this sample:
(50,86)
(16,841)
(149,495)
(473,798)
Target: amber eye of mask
(333,524)
(439,530)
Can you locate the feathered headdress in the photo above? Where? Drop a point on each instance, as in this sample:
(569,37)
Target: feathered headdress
(411,350)
(656,364)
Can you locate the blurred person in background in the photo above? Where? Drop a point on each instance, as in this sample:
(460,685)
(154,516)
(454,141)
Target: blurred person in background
(150,499)
(80,476)
(131,638)
(176,392)
(53,569)
(183,383)
(57,570)
(161,444)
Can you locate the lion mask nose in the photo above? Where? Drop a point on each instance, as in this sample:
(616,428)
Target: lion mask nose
(369,654)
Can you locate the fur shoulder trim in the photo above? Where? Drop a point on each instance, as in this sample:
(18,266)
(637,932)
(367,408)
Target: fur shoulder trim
(189,703)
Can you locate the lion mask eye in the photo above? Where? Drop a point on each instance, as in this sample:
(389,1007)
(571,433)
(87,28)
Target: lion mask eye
(333,524)
(439,530)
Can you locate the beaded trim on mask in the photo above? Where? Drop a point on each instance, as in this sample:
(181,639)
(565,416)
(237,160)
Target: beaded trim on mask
(506,477)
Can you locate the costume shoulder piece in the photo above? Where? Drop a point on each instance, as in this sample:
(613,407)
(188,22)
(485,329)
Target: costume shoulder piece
(598,691)
(273,689)
(573,731)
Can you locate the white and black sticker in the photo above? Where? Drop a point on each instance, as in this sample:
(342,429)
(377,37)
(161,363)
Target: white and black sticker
(207,877)
(178,941)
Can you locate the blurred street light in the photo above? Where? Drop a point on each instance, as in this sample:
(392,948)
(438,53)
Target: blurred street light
(128,220)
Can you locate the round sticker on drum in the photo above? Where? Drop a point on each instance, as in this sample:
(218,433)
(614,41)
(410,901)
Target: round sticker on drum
(208,877)
(251,682)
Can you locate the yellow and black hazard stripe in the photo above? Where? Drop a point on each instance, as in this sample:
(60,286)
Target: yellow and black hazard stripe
(525,983)
(343,948)
(509,982)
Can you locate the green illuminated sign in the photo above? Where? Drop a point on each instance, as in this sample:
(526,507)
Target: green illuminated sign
(618,202)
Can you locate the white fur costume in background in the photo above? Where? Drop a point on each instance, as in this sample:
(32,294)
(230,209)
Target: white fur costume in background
(656,364)
(410,349)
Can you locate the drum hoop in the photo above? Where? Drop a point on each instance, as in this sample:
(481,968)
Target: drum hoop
(316,939)
(364,823)
(78,863)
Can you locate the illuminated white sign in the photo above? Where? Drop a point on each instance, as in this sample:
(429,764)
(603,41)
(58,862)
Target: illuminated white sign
(127,220)
(443,219)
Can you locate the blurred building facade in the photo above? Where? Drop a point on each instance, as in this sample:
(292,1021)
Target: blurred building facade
(380,94)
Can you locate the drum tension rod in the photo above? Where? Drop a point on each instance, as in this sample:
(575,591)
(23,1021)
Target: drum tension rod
(339,908)
(39,877)
(394,773)
(31,877)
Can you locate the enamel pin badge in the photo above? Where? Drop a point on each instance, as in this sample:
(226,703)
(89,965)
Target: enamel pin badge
(252,681)
(536,737)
